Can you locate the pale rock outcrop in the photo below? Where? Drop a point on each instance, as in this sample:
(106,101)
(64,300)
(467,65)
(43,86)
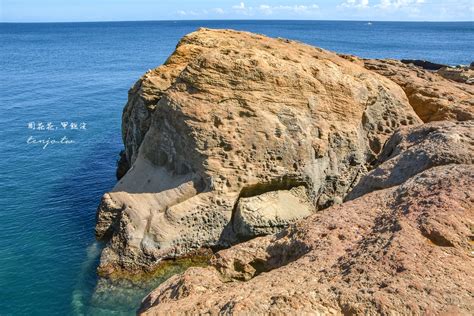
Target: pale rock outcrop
(433,97)
(270,212)
(403,250)
(235,115)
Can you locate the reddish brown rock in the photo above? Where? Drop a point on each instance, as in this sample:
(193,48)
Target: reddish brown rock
(433,97)
(240,135)
(406,249)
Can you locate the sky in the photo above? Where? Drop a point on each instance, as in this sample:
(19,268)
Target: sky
(137,10)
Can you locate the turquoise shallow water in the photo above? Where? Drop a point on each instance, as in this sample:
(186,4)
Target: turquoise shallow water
(80,73)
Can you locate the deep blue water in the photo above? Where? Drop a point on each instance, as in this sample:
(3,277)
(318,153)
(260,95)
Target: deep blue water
(80,73)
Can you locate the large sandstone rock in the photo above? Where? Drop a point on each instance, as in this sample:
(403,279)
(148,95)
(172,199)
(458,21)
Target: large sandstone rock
(433,97)
(403,250)
(235,115)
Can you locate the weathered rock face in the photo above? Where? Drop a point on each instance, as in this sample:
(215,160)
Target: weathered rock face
(433,97)
(406,249)
(144,96)
(411,151)
(234,115)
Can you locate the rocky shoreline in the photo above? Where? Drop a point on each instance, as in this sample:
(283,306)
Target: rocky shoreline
(335,184)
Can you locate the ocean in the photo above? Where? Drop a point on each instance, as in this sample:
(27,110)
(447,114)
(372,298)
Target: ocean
(63,87)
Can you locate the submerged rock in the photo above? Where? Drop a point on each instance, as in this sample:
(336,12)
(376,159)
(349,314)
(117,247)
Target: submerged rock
(235,115)
(404,249)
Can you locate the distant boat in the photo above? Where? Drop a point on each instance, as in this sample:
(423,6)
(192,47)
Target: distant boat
(369,23)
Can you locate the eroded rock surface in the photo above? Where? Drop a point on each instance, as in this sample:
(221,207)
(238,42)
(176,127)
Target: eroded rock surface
(433,97)
(412,150)
(406,249)
(234,115)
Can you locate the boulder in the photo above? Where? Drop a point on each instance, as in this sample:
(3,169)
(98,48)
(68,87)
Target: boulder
(271,212)
(234,115)
(404,249)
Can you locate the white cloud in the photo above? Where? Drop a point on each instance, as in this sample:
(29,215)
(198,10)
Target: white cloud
(240,6)
(297,8)
(218,10)
(191,13)
(359,4)
(268,9)
(397,4)
(265,9)
(200,13)
(383,4)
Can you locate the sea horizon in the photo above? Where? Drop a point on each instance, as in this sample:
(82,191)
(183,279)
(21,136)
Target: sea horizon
(236,20)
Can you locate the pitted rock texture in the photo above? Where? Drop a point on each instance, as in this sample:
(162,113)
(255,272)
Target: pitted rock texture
(433,97)
(234,115)
(404,250)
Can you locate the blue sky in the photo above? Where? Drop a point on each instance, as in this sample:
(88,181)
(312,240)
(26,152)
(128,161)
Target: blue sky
(133,10)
